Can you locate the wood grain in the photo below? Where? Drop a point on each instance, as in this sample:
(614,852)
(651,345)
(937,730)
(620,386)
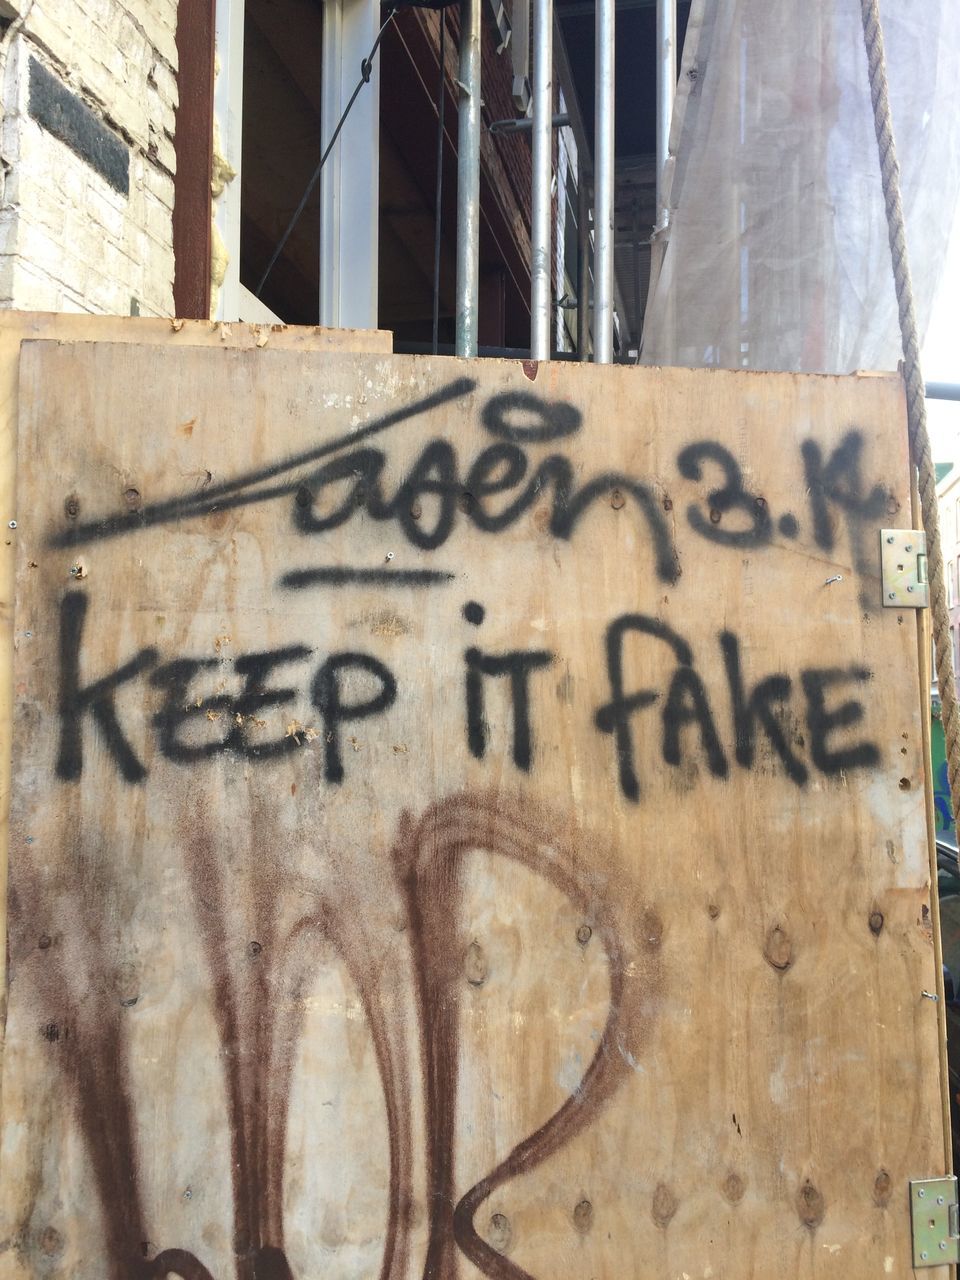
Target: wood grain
(411,949)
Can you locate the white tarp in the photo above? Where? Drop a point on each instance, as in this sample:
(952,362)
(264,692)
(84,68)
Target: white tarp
(777,256)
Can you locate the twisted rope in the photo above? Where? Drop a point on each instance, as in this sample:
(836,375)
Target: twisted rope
(916,401)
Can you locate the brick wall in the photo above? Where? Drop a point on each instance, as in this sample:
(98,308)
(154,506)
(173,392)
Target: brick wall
(89,92)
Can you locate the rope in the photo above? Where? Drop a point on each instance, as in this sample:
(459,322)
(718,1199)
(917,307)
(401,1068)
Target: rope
(916,401)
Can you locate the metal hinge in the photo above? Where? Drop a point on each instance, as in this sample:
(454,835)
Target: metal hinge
(903,568)
(935,1221)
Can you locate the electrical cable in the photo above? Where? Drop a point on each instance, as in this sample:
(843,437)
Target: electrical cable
(366,68)
(438,217)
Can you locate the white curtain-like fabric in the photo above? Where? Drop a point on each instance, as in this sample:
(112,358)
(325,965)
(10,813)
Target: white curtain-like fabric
(776,256)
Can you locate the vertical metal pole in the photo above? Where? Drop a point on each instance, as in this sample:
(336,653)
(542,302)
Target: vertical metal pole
(540,238)
(583,260)
(468,180)
(438,203)
(603,184)
(666,92)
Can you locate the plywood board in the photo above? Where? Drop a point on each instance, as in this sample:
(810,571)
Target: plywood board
(15,326)
(468,819)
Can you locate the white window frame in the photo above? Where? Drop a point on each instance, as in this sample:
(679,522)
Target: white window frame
(349,183)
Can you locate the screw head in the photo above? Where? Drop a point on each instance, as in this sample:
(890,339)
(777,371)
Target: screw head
(12,524)
(892,595)
(939,1199)
(921,1193)
(909,588)
(890,539)
(908,547)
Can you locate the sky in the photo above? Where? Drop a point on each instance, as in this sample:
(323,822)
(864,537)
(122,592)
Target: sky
(940,360)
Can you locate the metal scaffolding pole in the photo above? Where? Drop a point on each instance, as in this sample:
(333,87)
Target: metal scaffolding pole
(666,92)
(540,238)
(583,261)
(603,185)
(468,180)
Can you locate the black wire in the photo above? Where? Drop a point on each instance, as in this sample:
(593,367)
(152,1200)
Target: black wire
(438,221)
(366,67)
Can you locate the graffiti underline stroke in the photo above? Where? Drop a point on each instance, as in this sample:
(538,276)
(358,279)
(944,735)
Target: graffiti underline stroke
(343,576)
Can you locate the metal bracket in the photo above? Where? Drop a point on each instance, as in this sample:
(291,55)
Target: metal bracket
(903,568)
(935,1222)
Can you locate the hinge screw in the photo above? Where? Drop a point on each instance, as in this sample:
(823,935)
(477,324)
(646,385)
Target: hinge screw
(921,1193)
(891,595)
(939,1199)
(890,539)
(909,548)
(923,1255)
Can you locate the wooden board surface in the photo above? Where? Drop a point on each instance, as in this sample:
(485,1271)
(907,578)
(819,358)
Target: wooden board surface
(15,326)
(464,823)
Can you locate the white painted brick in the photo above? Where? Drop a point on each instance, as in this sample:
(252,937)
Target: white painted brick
(33,289)
(68,240)
(7,266)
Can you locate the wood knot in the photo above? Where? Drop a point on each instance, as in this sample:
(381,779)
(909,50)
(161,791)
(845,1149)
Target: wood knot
(132,499)
(882,1189)
(584,934)
(778,949)
(583,1216)
(876,923)
(664,1205)
(617,499)
(475,965)
(732,1188)
(651,930)
(810,1206)
(71,506)
(500,1232)
(713,911)
(51,1241)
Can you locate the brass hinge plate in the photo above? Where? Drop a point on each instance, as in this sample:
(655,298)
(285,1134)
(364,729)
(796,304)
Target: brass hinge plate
(903,568)
(935,1222)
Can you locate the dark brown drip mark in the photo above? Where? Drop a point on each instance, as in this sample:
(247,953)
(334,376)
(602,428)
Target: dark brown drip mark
(428,859)
(92,1052)
(260,1030)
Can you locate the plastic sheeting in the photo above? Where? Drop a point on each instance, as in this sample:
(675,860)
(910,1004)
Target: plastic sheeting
(776,256)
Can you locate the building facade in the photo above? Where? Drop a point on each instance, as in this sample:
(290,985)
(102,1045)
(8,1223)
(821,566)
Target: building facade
(155,153)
